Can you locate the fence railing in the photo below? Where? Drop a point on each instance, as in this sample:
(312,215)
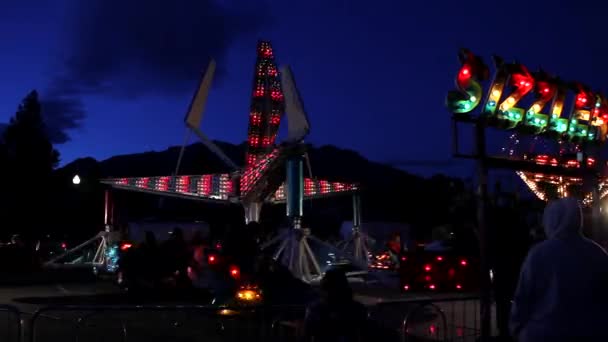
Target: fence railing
(429,319)
(446,319)
(161,323)
(11,325)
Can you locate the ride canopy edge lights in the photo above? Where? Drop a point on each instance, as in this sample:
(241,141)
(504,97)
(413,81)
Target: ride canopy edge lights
(513,98)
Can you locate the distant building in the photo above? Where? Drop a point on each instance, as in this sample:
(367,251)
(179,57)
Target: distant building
(379,232)
(162,229)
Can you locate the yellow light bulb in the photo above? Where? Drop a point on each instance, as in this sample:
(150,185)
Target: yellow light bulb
(511,100)
(496,93)
(536,108)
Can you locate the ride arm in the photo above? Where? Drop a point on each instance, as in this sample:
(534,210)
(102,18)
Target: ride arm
(209,188)
(314,188)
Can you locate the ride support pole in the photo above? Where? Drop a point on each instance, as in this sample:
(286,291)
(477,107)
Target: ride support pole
(482,199)
(295,186)
(108,215)
(356,212)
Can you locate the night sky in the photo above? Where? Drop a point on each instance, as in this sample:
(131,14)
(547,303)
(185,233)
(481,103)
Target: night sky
(117,76)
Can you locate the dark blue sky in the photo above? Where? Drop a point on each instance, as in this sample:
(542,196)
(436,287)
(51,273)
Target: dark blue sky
(373,74)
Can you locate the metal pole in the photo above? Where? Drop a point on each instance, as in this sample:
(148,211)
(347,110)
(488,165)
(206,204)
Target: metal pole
(181,151)
(597,226)
(107,208)
(482,198)
(295,187)
(356,212)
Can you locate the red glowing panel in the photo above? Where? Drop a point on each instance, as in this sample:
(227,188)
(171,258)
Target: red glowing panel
(276,95)
(272,71)
(266,51)
(427,278)
(123,181)
(464,76)
(211,259)
(432,329)
(125,246)
(524,82)
(308,186)
(458,287)
(406,287)
(275,119)
(143,182)
(427,268)
(64,245)
(439,258)
(582,100)
(162,184)
(251,159)
(324,185)
(256,118)
(228,185)
(432,286)
(183,184)
(259,91)
(205,185)
(254,140)
(463,262)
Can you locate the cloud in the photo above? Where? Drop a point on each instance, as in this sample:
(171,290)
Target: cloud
(129,48)
(126,49)
(62,114)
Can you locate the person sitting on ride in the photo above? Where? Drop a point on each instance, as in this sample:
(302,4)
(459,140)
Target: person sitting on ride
(176,258)
(394,247)
(204,278)
(336,316)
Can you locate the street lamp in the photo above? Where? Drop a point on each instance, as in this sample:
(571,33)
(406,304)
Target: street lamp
(76,180)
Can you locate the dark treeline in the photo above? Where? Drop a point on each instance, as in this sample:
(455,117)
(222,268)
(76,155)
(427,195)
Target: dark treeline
(27,160)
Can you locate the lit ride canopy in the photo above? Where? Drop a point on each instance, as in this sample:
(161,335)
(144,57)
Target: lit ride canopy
(260,180)
(533,103)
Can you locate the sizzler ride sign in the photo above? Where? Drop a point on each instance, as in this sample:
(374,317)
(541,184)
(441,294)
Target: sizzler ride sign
(532,102)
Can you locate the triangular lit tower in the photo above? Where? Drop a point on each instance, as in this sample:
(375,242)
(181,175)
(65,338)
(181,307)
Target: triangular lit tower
(261,178)
(267,106)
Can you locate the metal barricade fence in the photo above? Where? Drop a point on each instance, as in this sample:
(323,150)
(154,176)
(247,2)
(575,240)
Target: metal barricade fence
(11,325)
(162,323)
(429,319)
(444,319)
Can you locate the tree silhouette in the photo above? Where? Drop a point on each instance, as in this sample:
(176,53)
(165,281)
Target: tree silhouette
(30,159)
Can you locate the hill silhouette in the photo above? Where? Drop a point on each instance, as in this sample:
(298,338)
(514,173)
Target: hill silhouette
(388,194)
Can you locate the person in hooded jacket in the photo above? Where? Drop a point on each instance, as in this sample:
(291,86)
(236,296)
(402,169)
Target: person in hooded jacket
(561,294)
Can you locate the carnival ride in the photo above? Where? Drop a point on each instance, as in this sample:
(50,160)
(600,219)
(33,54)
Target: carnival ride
(262,179)
(532,104)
